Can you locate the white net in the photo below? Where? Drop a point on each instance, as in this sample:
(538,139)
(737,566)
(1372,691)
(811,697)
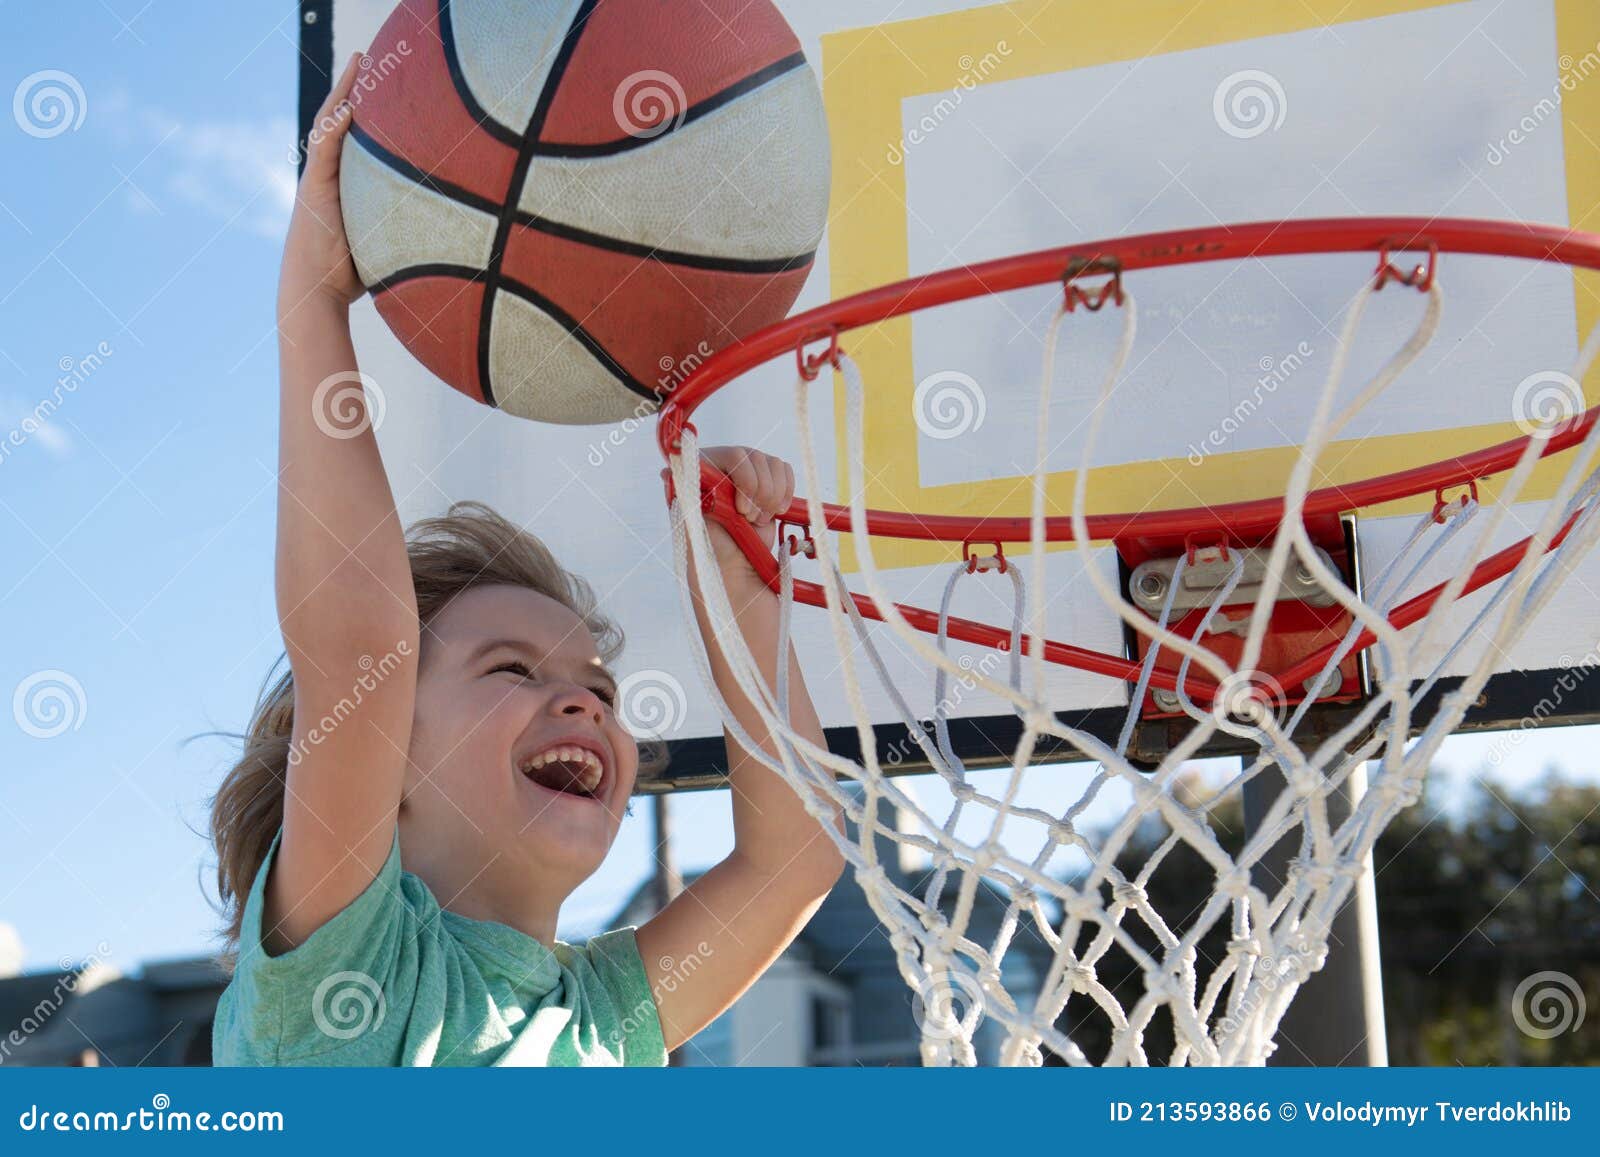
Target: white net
(1107,957)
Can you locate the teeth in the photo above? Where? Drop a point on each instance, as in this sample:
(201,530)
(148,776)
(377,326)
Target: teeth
(588,778)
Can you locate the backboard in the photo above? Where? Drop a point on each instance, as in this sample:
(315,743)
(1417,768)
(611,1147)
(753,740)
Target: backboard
(963,132)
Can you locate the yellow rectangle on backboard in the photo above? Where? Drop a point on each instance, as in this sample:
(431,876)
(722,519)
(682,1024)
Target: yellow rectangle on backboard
(868,74)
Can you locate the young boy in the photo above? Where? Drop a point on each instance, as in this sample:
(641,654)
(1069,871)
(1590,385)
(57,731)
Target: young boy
(442,764)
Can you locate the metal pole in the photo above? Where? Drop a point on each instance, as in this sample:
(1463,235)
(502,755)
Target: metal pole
(1337,1016)
(667,883)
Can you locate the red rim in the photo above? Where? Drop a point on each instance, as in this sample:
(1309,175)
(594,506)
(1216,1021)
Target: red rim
(1386,236)
(1382,235)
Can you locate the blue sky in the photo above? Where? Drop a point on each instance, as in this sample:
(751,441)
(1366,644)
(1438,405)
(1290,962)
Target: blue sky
(139,523)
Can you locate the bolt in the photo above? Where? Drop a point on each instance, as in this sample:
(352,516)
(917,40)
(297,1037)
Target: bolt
(1333,685)
(1302,574)
(1152,585)
(1166,700)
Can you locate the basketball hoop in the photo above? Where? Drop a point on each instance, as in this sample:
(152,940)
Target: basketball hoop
(1247,619)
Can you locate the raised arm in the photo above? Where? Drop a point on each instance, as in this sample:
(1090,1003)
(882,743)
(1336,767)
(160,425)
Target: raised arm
(345,601)
(739,917)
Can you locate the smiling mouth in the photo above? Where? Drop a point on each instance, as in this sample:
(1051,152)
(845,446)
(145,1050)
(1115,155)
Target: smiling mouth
(566,769)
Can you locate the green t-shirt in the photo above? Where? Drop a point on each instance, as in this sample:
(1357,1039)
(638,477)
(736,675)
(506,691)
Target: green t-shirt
(396,980)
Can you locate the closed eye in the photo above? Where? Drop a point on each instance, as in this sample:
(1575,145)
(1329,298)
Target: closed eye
(606,693)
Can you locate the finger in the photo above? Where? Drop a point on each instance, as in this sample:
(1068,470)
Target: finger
(333,121)
(766,491)
(720,458)
(760,489)
(788,487)
(340,92)
(745,484)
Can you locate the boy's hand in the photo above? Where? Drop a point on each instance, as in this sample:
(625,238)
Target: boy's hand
(764,486)
(316,256)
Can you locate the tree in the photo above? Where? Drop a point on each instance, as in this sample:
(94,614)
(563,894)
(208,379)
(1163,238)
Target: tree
(1489,919)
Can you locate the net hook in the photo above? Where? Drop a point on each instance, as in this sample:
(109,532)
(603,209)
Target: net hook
(811,364)
(1093,297)
(1420,278)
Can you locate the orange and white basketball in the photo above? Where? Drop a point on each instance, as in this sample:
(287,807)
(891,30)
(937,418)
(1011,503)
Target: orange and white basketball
(554,203)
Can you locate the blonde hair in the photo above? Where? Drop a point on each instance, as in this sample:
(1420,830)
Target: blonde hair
(469,546)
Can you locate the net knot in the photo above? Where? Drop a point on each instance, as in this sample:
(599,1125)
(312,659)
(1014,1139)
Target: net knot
(1062,832)
(1305,782)
(1029,1054)
(1315,874)
(1303,959)
(963,792)
(1404,792)
(872,877)
(1128,893)
(1080,976)
(1234,884)
(1244,946)
(1163,988)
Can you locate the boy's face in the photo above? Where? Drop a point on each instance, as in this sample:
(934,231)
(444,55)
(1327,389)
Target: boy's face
(516,752)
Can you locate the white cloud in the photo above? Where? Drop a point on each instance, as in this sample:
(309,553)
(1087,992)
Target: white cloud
(15,409)
(236,171)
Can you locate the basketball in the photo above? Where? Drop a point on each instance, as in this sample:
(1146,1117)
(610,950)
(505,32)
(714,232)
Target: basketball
(561,207)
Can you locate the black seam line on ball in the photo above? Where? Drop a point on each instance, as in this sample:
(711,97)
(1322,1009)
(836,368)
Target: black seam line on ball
(452,62)
(582,336)
(447,189)
(665,256)
(519,177)
(693,113)
(429,269)
(454,192)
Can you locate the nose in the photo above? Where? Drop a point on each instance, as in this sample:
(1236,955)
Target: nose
(579,701)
